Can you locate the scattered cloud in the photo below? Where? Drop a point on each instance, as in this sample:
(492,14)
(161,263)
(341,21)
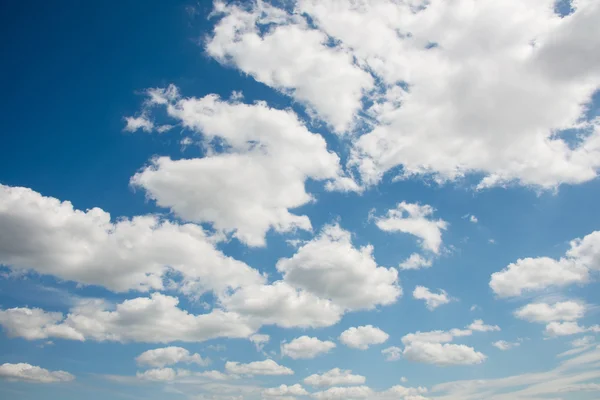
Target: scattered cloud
(266,367)
(363,336)
(306,347)
(31,373)
(169,356)
(432,300)
(335,377)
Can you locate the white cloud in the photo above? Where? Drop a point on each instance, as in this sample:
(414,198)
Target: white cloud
(415,261)
(345,393)
(458,128)
(432,300)
(291,57)
(50,237)
(473,219)
(335,377)
(306,347)
(170,356)
(392,353)
(250,187)
(363,336)
(330,267)
(161,374)
(559,311)
(266,367)
(434,347)
(415,219)
(479,326)
(31,373)
(154,319)
(504,345)
(259,340)
(530,274)
(142,122)
(568,328)
(285,390)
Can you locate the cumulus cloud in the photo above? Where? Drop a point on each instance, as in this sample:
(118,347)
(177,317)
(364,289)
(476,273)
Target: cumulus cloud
(291,57)
(335,377)
(432,300)
(285,390)
(254,171)
(306,347)
(154,319)
(142,122)
(504,345)
(363,336)
(259,340)
(415,219)
(566,328)
(479,326)
(330,267)
(392,353)
(531,274)
(31,373)
(342,393)
(266,367)
(415,261)
(544,312)
(169,356)
(50,237)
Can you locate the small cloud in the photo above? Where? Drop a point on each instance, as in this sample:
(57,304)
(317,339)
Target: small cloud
(403,379)
(133,124)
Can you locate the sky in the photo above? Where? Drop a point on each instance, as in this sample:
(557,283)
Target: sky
(311,199)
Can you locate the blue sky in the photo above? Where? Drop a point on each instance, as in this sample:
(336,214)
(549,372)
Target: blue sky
(312,199)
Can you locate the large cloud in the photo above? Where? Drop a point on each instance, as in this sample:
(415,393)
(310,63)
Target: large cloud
(254,170)
(154,319)
(532,274)
(462,87)
(51,237)
(331,267)
(30,373)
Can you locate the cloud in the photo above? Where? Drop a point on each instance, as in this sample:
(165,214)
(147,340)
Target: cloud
(291,57)
(154,319)
(285,390)
(343,393)
(392,353)
(335,377)
(434,347)
(559,311)
(455,129)
(568,376)
(306,347)
(363,336)
(432,300)
(330,267)
(141,122)
(504,345)
(254,171)
(266,367)
(30,373)
(534,274)
(568,328)
(259,340)
(161,374)
(415,261)
(479,326)
(169,356)
(415,220)
(50,237)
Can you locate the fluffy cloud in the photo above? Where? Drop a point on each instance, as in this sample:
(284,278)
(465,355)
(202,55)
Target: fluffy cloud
(154,319)
(285,390)
(266,367)
(434,347)
(335,377)
(530,274)
(458,127)
(170,356)
(259,340)
(363,336)
(161,374)
(30,373)
(330,267)
(306,347)
(559,311)
(568,328)
(415,261)
(479,326)
(392,353)
(50,237)
(415,219)
(432,300)
(291,57)
(254,170)
(504,345)
(343,393)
